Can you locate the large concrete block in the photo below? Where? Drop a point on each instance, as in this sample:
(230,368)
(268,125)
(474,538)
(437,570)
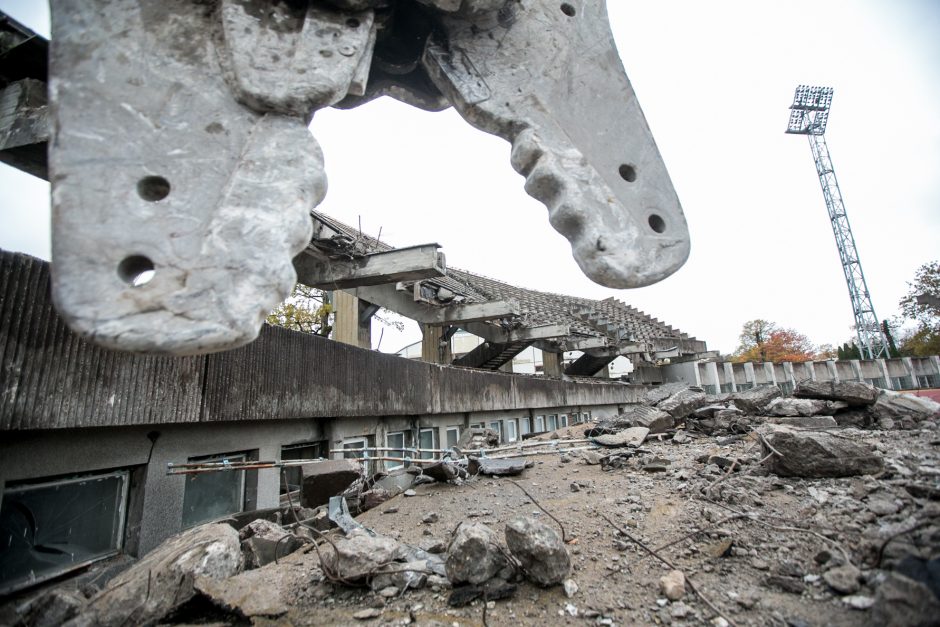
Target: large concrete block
(325,479)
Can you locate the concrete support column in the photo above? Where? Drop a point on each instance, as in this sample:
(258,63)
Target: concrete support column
(712,369)
(857,369)
(770,373)
(749,374)
(434,348)
(909,366)
(885,373)
(788,373)
(506,367)
(729,375)
(832,371)
(810,368)
(551,364)
(351,325)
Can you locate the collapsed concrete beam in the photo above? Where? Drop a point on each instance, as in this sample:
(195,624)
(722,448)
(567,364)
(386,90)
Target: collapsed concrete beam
(588,365)
(492,333)
(402,264)
(403,304)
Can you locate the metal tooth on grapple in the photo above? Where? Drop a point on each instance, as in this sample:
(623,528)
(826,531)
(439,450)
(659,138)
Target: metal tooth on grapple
(547,78)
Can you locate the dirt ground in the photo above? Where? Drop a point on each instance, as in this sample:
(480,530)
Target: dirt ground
(762,546)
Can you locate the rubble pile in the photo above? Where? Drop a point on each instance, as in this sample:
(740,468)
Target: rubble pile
(748,509)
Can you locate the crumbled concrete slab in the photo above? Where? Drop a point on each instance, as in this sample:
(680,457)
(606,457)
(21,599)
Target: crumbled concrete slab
(854,393)
(815,454)
(804,422)
(634,436)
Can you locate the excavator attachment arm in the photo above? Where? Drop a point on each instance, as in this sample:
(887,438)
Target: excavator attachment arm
(183,172)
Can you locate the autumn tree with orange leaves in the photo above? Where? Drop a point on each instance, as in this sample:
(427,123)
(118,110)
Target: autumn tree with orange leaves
(763,340)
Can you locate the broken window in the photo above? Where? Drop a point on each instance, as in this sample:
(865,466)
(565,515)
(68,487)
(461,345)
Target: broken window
(552,422)
(396,442)
(295,474)
(511,429)
(428,439)
(539,424)
(497,426)
(49,528)
(453,435)
(211,495)
(563,420)
(525,426)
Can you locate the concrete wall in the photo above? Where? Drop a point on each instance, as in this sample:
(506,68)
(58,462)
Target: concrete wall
(69,408)
(893,374)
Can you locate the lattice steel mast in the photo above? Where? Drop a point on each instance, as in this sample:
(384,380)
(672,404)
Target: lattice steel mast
(809,114)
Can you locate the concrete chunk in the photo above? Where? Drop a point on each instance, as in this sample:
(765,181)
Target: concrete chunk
(852,392)
(803,407)
(539,549)
(261,538)
(815,454)
(754,400)
(684,402)
(325,479)
(805,422)
(634,436)
(474,555)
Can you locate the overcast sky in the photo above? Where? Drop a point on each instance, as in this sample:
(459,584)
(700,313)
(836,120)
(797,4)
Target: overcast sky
(715,80)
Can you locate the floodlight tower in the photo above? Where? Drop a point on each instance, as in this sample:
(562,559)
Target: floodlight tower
(809,114)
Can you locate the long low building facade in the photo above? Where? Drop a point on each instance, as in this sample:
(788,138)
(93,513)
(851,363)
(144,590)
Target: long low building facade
(87,433)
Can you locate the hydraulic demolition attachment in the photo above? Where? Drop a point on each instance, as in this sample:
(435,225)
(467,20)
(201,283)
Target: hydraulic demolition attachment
(183,172)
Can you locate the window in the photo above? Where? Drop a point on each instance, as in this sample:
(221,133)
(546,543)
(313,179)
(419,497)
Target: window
(539,424)
(50,528)
(552,422)
(428,439)
(497,426)
(525,425)
(563,420)
(295,474)
(396,442)
(210,495)
(511,435)
(350,446)
(453,435)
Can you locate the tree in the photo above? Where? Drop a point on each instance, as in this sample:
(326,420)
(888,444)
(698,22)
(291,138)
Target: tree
(762,340)
(849,351)
(754,335)
(826,351)
(921,304)
(307,309)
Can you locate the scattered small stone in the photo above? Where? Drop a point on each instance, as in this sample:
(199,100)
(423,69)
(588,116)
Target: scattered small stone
(571,610)
(721,548)
(657,464)
(787,584)
(759,564)
(679,610)
(389,592)
(571,587)
(681,437)
(822,557)
(430,517)
(882,505)
(844,579)
(858,602)
(367,614)
(390,510)
(410,492)
(575,487)
(672,585)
